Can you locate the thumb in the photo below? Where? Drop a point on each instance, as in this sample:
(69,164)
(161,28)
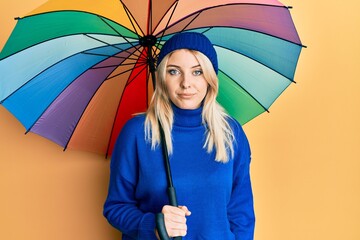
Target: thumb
(186,210)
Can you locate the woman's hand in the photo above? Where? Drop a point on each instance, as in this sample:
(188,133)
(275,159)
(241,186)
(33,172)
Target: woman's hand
(175,220)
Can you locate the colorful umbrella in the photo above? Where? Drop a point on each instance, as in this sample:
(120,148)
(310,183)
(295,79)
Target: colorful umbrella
(75,71)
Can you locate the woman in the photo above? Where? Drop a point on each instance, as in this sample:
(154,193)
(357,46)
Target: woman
(208,151)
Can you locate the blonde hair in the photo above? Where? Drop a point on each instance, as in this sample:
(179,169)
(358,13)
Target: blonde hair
(219,134)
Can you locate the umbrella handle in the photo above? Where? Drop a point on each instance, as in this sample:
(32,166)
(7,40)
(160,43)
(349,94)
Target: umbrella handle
(160,223)
(173,202)
(160,227)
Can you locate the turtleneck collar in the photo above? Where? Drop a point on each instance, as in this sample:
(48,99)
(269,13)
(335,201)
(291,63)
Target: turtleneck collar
(186,117)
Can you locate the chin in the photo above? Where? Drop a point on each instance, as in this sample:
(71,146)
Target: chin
(188,106)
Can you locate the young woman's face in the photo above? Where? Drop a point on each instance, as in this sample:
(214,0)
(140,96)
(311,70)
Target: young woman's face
(185,81)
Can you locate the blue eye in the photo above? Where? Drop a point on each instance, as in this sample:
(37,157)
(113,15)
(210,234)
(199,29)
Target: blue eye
(198,72)
(173,71)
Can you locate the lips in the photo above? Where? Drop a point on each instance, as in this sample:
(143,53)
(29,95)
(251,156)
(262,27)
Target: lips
(186,95)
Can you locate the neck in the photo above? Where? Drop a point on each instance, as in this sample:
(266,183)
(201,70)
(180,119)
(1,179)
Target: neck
(187,117)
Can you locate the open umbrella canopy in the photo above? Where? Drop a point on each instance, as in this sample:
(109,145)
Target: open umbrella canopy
(76,71)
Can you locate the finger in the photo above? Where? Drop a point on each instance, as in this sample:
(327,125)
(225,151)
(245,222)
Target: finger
(167,209)
(177,233)
(175,229)
(174,219)
(186,210)
(175,225)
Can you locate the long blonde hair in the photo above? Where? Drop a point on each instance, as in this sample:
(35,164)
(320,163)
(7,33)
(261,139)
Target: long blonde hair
(219,133)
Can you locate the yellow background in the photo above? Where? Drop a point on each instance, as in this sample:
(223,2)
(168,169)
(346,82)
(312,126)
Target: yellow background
(306,164)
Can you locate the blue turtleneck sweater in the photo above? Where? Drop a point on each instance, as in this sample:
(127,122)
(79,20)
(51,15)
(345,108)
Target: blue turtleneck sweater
(218,195)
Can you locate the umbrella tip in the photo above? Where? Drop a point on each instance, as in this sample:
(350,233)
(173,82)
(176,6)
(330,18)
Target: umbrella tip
(289,7)
(17,18)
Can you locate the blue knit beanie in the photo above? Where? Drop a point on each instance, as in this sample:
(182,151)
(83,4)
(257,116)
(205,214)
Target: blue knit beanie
(193,41)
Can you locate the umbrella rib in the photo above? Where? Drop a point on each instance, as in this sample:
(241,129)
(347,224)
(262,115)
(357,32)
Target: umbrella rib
(132,44)
(266,109)
(130,16)
(149,20)
(105,79)
(77,123)
(114,56)
(147,84)
(223,5)
(106,55)
(112,130)
(37,14)
(123,64)
(134,77)
(110,45)
(65,147)
(174,6)
(197,15)
(267,34)
(281,74)
(168,22)
(291,80)
(2,100)
(28,130)
(128,70)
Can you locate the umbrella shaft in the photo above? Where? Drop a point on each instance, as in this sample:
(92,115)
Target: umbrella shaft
(172,196)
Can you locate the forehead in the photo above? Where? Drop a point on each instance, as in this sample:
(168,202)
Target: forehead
(183,57)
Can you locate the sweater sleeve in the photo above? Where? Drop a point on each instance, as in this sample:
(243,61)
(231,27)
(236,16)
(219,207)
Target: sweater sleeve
(120,208)
(240,208)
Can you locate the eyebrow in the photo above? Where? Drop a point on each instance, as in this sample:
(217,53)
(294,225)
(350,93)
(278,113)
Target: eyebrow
(173,65)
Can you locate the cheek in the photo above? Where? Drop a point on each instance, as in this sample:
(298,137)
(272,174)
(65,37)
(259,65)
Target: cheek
(203,87)
(170,88)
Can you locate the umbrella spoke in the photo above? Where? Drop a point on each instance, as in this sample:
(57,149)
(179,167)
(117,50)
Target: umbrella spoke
(113,45)
(131,79)
(264,18)
(109,56)
(136,58)
(136,66)
(124,37)
(168,22)
(134,23)
(193,19)
(149,19)
(125,64)
(247,92)
(134,93)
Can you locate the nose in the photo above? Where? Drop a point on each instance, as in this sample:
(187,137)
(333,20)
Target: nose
(185,82)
